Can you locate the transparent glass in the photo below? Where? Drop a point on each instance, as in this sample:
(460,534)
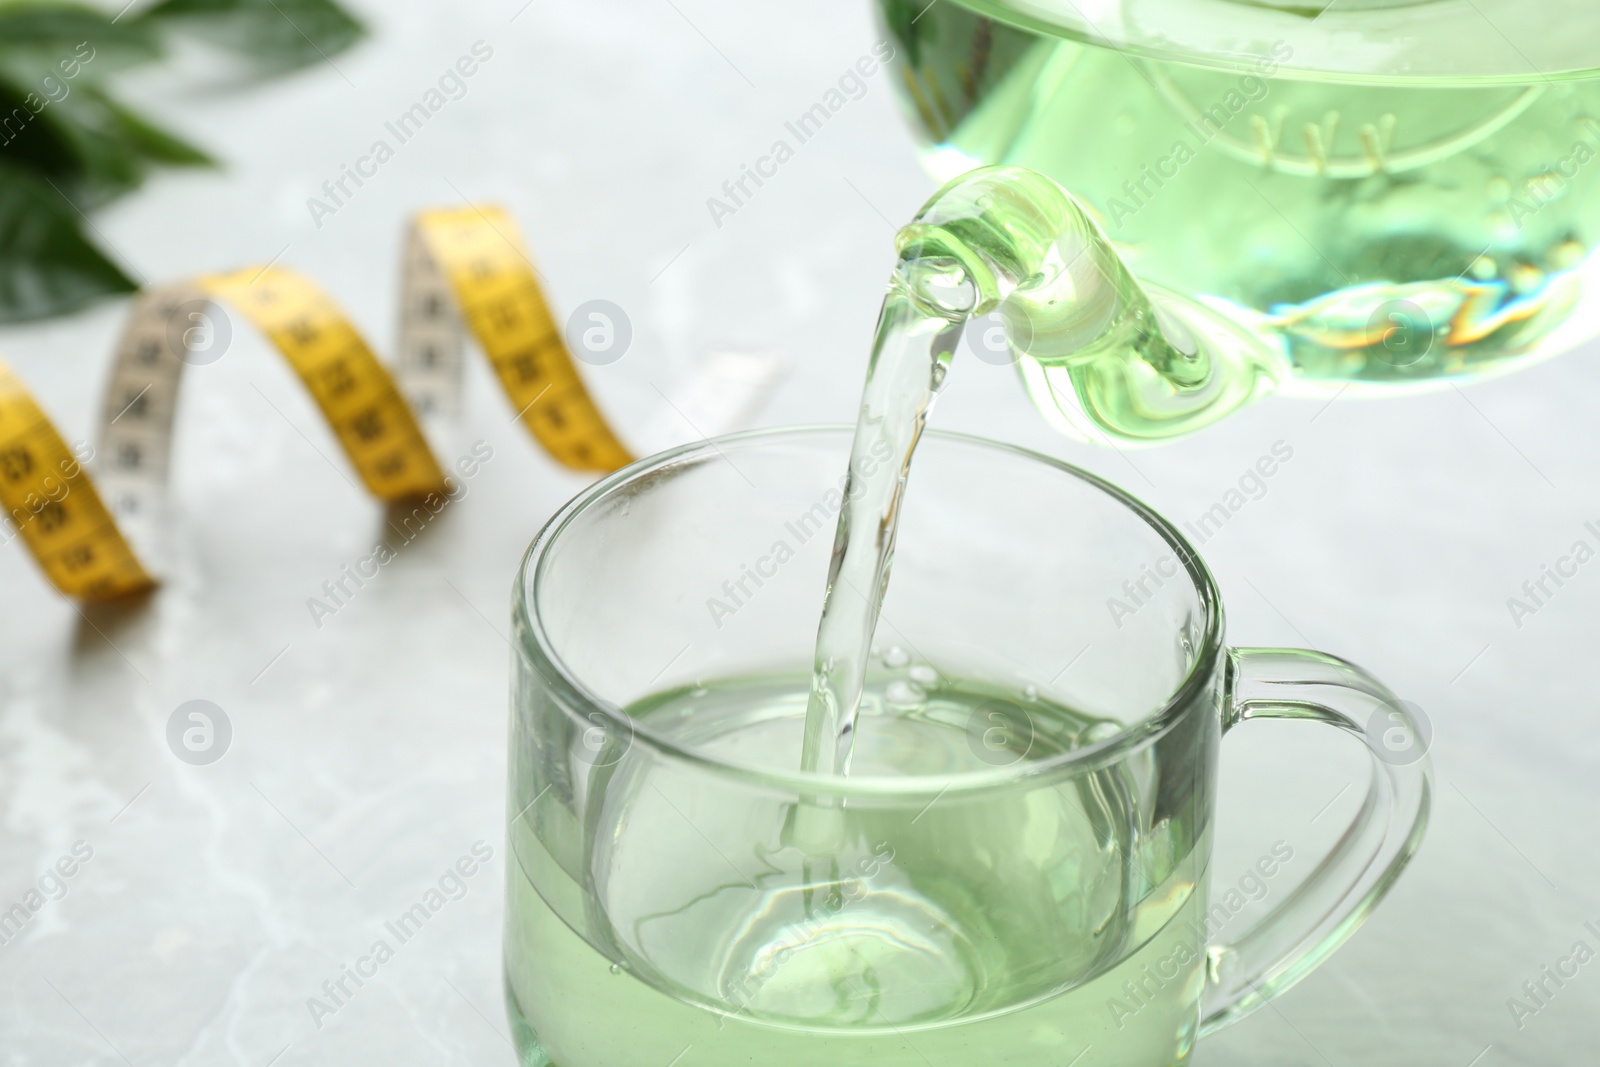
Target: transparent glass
(985,889)
(1385,41)
(1374,196)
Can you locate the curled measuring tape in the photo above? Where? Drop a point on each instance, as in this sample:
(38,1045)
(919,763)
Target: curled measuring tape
(465,270)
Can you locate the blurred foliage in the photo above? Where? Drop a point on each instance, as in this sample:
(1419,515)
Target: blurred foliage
(68,145)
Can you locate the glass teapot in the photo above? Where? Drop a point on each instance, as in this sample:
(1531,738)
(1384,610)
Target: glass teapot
(1314,195)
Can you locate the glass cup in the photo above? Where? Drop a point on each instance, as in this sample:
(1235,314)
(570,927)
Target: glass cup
(1020,879)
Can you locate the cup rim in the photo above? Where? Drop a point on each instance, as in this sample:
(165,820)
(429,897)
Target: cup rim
(532,642)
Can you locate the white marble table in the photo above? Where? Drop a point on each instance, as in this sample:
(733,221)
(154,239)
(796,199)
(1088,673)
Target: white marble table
(367,753)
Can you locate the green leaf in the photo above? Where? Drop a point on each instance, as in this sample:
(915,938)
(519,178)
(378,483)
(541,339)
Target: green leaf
(93,147)
(74,143)
(151,141)
(47,266)
(275,35)
(27,139)
(64,41)
(63,136)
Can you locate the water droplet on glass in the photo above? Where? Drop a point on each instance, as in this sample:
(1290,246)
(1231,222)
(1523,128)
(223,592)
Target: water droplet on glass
(896,657)
(1101,731)
(903,695)
(923,674)
(616,968)
(1031,692)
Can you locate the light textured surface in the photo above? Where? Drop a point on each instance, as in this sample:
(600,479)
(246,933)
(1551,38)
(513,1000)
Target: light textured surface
(367,753)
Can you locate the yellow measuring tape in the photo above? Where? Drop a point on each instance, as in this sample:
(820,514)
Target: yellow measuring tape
(55,507)
(465,270)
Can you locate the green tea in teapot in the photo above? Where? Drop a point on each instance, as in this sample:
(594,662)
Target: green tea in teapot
(1376,227)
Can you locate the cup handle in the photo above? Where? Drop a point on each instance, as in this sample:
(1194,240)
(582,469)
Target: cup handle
(1322,912)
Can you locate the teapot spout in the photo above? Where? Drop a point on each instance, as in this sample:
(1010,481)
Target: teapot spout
(1104,357)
